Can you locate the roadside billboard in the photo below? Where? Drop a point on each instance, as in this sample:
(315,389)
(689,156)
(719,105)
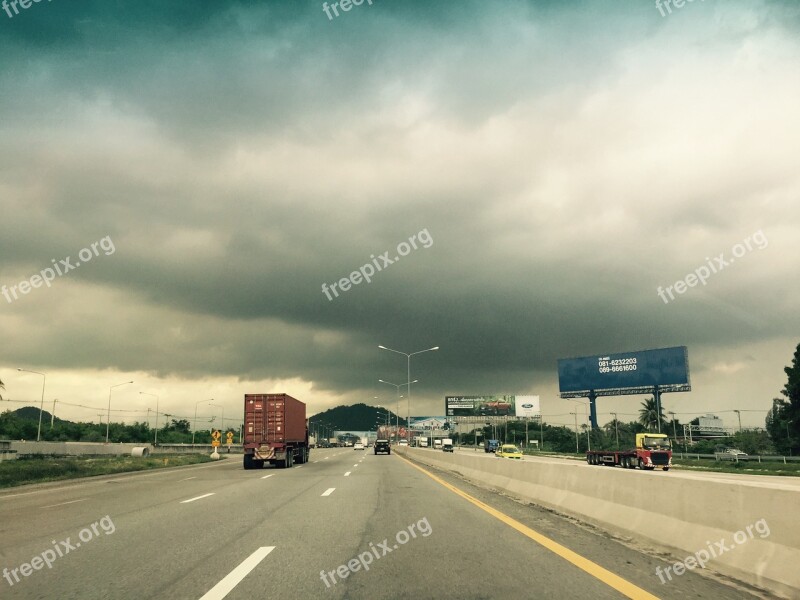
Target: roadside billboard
(527,406)
(640,369)
(421,423)
(480,406)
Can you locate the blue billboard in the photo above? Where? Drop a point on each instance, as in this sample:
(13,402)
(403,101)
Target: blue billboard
(641,369)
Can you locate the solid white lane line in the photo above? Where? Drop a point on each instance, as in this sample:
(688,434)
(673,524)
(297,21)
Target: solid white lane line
(187,479)
(328,492)
(63,503)
(268,476)
(232,579)
(347,474)
(197,498)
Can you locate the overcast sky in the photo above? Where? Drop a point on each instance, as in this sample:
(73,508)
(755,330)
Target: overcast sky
(560,161)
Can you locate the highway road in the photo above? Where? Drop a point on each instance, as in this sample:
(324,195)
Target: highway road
(216,531)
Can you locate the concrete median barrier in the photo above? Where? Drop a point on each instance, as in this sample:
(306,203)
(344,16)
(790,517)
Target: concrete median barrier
(662,513)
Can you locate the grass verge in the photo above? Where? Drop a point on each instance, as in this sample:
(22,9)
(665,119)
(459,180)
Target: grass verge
(40,469)
(749,467)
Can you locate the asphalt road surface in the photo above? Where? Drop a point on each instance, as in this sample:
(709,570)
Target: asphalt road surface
(217,531)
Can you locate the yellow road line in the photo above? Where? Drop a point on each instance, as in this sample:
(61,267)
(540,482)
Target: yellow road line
(623,586)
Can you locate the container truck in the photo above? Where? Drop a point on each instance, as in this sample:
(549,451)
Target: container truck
(275,431)
(652,450)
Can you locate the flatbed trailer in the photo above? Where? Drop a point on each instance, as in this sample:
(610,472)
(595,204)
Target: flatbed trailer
(652,450)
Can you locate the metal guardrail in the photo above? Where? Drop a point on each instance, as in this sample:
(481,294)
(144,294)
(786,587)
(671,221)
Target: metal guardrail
(730,457)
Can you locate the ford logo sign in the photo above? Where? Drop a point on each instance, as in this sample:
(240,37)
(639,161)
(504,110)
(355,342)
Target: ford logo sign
(527,406)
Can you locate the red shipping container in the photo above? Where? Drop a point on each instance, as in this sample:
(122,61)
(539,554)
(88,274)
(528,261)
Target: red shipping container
(273,419)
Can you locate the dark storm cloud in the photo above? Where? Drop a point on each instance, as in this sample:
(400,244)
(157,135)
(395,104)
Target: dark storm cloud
(566,158)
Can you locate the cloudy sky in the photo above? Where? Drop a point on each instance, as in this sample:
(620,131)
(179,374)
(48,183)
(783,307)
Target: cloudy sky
(558,162)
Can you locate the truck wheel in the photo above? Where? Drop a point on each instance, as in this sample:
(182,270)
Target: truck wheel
(289,459)
(249,462)
(665,469)
(641,464)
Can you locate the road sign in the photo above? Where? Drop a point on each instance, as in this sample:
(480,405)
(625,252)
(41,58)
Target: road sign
(215,443)
(230,437)
(215,434)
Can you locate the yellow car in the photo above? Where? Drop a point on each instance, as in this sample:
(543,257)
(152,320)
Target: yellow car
(508,451)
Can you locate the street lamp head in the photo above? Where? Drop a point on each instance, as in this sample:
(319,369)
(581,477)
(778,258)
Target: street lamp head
(435,348)
(382,347)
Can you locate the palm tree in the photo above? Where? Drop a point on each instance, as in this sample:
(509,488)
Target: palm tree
(648,414)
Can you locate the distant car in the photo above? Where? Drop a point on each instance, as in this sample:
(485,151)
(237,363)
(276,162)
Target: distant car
(495,407)
(358,446)
(508,451)
(382,446)
(731,454)
(402,443)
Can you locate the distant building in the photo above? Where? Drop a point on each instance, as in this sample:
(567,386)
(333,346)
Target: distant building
(710,425)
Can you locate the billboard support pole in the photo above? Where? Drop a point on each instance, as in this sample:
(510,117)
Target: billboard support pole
(593,409)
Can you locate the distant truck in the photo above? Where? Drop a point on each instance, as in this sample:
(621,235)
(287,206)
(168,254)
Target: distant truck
(447,445)
(333,442)
(275,431)
(312,441)
(652,450)
(491,445)
(437,444)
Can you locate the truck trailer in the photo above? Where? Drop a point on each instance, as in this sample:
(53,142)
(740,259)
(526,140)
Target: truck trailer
(652,450)
(275,431)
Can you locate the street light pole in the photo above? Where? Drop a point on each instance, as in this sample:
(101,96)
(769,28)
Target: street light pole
(41,405)
(739,414)
(397,414)
(575,414)
(108,416)
(408,376)
(155,443)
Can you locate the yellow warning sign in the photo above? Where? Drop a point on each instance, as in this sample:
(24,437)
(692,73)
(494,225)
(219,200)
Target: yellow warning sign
(215,434)
(230,437)
(215,443)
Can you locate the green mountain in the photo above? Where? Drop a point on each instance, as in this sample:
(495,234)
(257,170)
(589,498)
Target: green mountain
(357,417)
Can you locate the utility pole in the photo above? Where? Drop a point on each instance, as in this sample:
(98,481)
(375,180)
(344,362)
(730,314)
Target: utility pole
(616,428)
(674,432)
(575,414)
(53,414)
(739,414)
